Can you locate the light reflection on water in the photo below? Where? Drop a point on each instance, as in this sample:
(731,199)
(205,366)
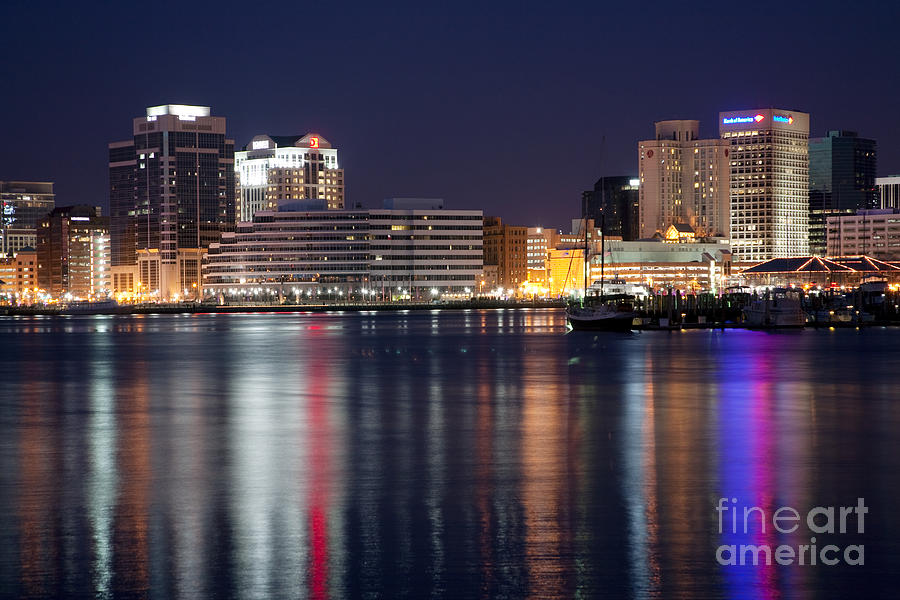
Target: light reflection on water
(439,453)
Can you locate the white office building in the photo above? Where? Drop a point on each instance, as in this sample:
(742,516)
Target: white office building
(769,161)
(888,189)
(410,249)
(273,169)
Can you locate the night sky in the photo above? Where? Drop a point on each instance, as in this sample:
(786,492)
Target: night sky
(498,106)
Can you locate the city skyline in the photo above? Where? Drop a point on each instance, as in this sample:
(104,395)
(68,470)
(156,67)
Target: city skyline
(496,87)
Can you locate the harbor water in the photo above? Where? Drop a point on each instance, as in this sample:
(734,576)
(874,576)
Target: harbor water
(456,454)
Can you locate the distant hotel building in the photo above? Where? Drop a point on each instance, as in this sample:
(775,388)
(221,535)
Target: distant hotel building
(616,198)
(411,248)
(73,253)
(275,168)
(841,181)
(769,154)
(683,179)
(171,194)
(888,191)
(22,205)
(874,233)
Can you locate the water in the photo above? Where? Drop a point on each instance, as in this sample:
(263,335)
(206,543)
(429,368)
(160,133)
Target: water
(433,454)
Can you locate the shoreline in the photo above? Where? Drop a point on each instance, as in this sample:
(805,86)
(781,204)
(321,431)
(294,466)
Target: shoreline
(150,309)
(169,309)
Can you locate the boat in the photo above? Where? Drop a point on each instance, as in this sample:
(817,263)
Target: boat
(835,317)
(780,308)
(600,317)
(598,312)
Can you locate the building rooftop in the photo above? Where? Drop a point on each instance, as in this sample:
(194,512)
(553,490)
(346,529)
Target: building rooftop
(269,142)
(180,110)
(414,203)
(816,264)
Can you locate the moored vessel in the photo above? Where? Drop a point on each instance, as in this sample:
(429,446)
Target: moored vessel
(596,311)
(780,308)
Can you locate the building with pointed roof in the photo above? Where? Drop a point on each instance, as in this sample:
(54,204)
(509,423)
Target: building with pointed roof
(822,272)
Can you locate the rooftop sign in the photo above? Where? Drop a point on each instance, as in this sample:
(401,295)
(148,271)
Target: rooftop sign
(742,119)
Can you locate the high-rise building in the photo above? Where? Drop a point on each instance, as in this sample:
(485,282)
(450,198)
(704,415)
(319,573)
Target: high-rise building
(505,246)
(284,168)
(888,190)
(171,188)
(683,179)
(73,253)
(769,154)
(841,181)
(22,205)
(616,198)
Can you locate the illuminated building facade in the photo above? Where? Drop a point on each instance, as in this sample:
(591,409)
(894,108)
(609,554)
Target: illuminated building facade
(888,189)
(575,238)
(271,169)
(73,252)
(616,198)
(565,271)
(411,249)
(22,205)
(841,181)
(18,277)
(539,243)
(171,188)
(506,247)
(682,264)
(683,179)
(142,281)
(769,158)
(874,233)
(418,245)
(657,263)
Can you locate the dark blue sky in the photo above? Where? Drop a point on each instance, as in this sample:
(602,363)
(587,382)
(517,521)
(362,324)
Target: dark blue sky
(500,106)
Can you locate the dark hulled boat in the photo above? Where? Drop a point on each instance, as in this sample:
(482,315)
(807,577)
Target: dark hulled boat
(600,317)
(599,313)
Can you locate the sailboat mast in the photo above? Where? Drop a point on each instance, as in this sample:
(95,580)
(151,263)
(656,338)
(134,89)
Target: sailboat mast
(586,260)
(602,249)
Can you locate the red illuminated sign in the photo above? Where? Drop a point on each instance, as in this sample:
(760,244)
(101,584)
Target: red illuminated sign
(313,142)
